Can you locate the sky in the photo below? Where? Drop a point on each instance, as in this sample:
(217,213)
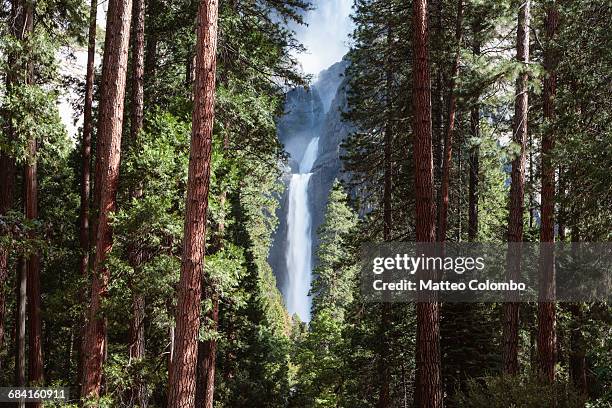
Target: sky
(326,36)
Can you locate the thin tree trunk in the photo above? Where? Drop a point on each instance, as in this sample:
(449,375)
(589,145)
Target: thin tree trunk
(562,215)
(138,393)
(517,193)
(84,237)
(138,64)
(207,356)
(428,386)
(182,382)
(474,152)
(438,106)
(384,398)
(35,372)
(35,360)
(136,255)
(450,129)
(20,323)
(86,143)
(108,152)
(547,342)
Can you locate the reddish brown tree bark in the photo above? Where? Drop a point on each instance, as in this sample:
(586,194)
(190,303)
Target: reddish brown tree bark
(450,129)
(474,151)
(207,350)
(138,394)
(35,360)
(86,143)
(182,381)
(517,191)
(84,233)
(107,176)
(547,340)
(35,371)
(20,323)
(428,386)
(138,61)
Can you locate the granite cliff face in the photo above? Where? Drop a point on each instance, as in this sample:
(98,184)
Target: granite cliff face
(313,112)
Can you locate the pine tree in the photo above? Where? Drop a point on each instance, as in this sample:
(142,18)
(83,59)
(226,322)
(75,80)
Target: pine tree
(547,341)
(428,380)
(182,383)
(85,185)
(108,150)
(517,189)
(137,254)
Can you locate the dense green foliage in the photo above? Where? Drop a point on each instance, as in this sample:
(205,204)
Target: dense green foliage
(264,357)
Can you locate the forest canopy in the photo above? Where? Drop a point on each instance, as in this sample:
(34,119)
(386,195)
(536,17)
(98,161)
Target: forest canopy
(136,253)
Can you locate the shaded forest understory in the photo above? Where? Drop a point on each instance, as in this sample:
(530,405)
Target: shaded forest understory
(134,257)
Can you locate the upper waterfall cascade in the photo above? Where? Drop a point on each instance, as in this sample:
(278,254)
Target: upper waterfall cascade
(311,131)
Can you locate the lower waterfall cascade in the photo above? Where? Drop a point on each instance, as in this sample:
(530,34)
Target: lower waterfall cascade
(299,237)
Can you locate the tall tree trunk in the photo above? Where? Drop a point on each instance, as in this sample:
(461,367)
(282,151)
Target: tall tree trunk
(114,67)
(562,214)
(35,372)
(384,398)
(35,360)
(182,381)
(517,192)
(20,323)
(450,129)
(84,240)
(136,254)
(474,151)
(207,349)
(428,386)
(438,103)
(547,342)
(86,143)
(138,64)
(138,394)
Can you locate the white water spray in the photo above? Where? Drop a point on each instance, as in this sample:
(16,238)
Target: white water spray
(299,237)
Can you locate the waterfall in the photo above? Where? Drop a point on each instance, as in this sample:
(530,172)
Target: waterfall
(299,237)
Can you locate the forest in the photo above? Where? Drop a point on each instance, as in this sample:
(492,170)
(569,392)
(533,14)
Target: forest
(139,254)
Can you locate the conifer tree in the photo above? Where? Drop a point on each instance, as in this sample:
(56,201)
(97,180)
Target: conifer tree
(517,189)
(108,150)
(428,376)
(182,383)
